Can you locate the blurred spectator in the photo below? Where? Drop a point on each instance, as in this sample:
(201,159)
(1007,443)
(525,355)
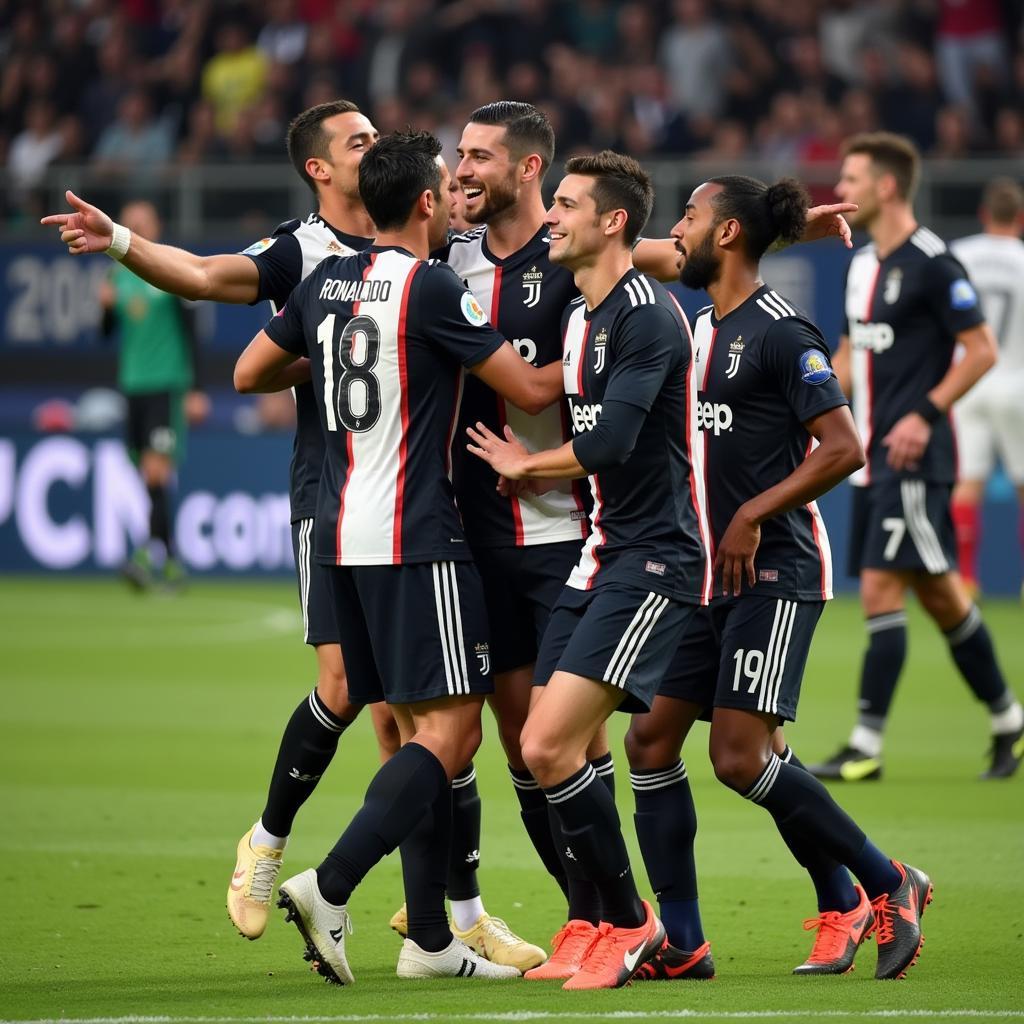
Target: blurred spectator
(636,35)
(696,56)
(117,68)
(592,26)
(970,40)
(283,38)
(136,139)
(33,150)
(235,76)
(952,134)
(201,144)
(910,105)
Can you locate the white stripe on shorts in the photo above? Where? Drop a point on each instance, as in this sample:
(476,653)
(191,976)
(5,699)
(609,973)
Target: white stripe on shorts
(633,639)
(305,557)
(446,602)
(912,493)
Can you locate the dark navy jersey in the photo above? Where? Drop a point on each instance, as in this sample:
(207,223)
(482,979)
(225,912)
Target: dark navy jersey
(387,336)
(763,371)
(524,295)
(903,315)
(283,260)
(649,521)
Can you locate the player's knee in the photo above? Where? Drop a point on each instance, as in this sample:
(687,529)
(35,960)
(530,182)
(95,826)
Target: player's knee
(736,767)
(332,689)
(510,733)
(544,758)
(646,750)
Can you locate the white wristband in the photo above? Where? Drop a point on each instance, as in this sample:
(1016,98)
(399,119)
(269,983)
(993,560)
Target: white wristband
(119,242)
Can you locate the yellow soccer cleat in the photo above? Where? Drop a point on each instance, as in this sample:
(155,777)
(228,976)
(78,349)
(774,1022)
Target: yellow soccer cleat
(494,940)
(251,885)
(400,921)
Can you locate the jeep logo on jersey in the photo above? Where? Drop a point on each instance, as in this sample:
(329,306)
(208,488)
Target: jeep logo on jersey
(714,416)
(735,354)
(532,280)
(483,655)
(600,343)
(584,417)
(893,284)
(876,337)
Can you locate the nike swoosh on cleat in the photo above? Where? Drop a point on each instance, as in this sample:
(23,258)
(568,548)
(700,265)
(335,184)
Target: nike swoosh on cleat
(854,771)
(631,957)
(857,928)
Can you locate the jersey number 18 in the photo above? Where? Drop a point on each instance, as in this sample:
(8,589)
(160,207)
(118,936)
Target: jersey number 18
(354,399)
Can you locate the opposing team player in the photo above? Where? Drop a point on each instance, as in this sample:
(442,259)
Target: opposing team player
(644,567)
(909,303)
(777,434)
(387,334)
(989,419)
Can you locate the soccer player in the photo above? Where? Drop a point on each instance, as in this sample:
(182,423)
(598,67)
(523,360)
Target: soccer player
(777,434)
(989,419)
(156,373)
(644,567)
(909,303)
(387,334)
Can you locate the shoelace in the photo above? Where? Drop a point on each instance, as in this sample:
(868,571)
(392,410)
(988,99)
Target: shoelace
(830,942)
(499,930)
(601,949)
(263,877)
(885,915)
(568,932)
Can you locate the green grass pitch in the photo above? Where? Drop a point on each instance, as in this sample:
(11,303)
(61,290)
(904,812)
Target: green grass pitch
(137,734)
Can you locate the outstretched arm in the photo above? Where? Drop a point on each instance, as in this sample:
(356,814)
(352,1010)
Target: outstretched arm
(529,387)
(229,277)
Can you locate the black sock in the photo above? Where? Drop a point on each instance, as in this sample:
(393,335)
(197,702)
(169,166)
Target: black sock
(591,826)
(882,665)
(582,894)
(832,883)
(398,796)
(666,825)
(971,646)
(533,808)
(605,768)
(160,515)
(803,807)
(309,742)
(465,836)
(425,854)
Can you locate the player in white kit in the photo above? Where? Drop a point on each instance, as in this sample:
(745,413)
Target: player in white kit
(989,419)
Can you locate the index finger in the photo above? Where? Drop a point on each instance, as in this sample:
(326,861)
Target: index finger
(56,218)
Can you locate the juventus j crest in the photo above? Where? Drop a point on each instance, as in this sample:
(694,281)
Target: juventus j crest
(600,343)
(532,280)
(735,354)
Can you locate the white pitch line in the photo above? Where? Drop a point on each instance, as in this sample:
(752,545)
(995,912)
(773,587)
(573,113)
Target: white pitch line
(532,1015)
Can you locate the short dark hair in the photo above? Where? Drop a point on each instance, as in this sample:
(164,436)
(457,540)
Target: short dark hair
(393,174)
(765,212)
(307,138)
(891,154)
(1003,200)
(527,129)
(620,183)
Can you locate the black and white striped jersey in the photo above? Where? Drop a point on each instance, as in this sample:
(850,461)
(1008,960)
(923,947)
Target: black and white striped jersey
(283,260)
(387,336)
(763,371)
(524,295)
(649,521)
(903,314)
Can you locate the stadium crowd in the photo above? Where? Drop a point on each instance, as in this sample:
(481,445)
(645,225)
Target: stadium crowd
(129,85)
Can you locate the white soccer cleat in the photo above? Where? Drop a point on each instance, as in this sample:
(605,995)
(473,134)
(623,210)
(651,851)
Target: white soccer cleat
(321,924)
(456,960)
(253,880)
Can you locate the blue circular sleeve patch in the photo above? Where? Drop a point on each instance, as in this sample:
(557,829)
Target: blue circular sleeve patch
(814,367)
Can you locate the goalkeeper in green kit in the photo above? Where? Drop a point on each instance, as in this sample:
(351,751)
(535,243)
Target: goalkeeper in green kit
(156,374)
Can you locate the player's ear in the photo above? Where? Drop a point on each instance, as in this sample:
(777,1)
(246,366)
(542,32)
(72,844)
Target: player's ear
(427,202)
(616,222)
(531,167)
(317,170)
(730,231)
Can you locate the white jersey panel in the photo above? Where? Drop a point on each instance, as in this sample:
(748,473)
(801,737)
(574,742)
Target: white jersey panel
(860,289)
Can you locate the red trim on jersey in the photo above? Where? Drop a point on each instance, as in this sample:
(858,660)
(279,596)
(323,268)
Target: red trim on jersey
(403,445)
(348,442)
(810,506)
(583,356)
(703,528)
(576,485)
(707,365)
(453,422)
(870,375)
(598,509)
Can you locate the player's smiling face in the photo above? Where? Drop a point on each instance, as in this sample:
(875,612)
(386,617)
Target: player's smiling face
(699,261)
(486,172)
(858,183)
(573,223)
(351,136)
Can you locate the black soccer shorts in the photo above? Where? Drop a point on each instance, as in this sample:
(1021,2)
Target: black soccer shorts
(155,423)
(521,586)
(902,524)
(412,633)
(617,634)
(745,652)
(319,624)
